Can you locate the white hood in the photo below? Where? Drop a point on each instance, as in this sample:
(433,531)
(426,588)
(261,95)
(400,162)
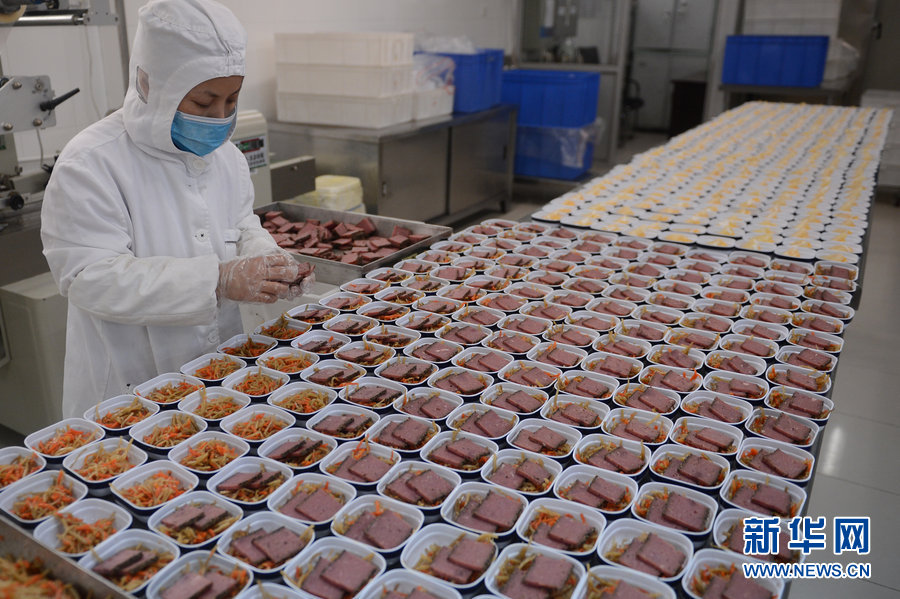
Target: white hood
(178,44)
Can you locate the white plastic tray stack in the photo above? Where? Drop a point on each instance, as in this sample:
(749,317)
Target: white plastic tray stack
(361,79)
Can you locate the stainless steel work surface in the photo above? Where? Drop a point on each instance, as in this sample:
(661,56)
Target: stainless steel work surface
(338,273)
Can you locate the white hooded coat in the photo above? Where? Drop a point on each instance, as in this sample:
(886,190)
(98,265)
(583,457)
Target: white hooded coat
(134,228)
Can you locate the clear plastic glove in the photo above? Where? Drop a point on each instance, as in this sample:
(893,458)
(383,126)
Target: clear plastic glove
(306,276)
(261,279)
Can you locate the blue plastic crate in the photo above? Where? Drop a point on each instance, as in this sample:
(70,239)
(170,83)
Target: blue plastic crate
(554,152)
(552,98)
(477,78)
(775,60)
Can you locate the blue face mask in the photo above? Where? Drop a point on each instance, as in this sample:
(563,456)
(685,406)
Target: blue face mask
(200,135)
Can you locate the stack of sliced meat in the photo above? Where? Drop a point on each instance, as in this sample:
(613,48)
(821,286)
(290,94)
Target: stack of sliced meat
(566,531)
(364,356)
(438,306)
(570,336)
(295,451)
(517,401)
(464,383)
(613,366)
(425,284)
(801,404)
(345,425)
(314,314)
(813,341)
(381,528)
(595,323)
(735,542)
(682,382)
(610,456)
(212,584)
(753,347)
(762,498)
(463,293)
(599,493)
(362,466)
(512,342)
(711,323)
(386,313)
(431,406)
(734,364)
(679,358)
(267,550)
(575,414)
(643,331)
(585,387)
(708,439)
(530,376)
(460,454)
(420,321)
(827,309)
(542,440)
(479,316)
(423,488)
(389,275)
(810,358)
(779,463)
(411,373)
(585,285)
(462,562)
(464,334)
(621,347)
(703,341)
(323,345)
(526,475)
(126,562)
(253,481)
(717,409)
(407,434)
(197,517)
(344,303)
(342,576)
(648,398)
(415,266)
(675,510)
(487,361)
(493,512)
(372,395)
(437,256)
(653,555)
(543,577)
(549,311)
(799,379)
(783,427)
(335,376)
(718,308)
(436,351)
(737,387)
(638,430)
(692,468)
(487,423)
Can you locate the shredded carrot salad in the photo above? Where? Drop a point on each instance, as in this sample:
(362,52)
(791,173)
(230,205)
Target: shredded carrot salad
(281,329)
(210,455)
(124,416)
(258,383)
(182,427)
(20,467)
(103,464)
(258,427)
(29,578)
(171,392)
(288,364)
(306,401)
(248,349)
(34,506)
(216,369)
(159,488)
(215,408)
(66,440)
(78,536)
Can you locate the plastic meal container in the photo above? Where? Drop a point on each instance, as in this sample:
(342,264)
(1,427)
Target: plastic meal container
(286,491)
(513,550)
(129,539)
(194,498)
(371,503)
(89,510)
(325,547)
(417,466)
(406,581)
(442,535)
(246,465)
(697,538)
(95,413)
(35,484)
(614,574)
(8,454)
(190,403)
(715,557)
(623,532)
(194,562)
(75,461)
(188,482)
(33,440)
(585,474)
(282,393)
(269,522)
(181,451)
(582,512)
(513,456)
(635,447)
(292,434)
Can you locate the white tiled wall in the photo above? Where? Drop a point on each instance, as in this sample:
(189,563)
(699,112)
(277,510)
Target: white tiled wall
(792,17)
(61,52)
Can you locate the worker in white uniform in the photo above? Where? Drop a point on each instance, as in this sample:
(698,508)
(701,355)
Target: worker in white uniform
(147,220)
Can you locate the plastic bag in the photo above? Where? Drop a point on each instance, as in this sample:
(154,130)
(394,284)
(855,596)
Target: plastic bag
(565,146)
(444,43)
(432,71)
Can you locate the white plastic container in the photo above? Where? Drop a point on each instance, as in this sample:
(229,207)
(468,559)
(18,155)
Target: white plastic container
(491,393)
(680,452)
(401,468)
(615,574)
(480,490)
(486,380)
(749,444)
(585,474)
(418,392)
(513,550)
(283,417)
(759,413)
(344,48)
(308,373)
(335,486)
(296,327)
(412,347)
(687,424)
(405,581)
(269,522)
(610,338)
(287,352)
(559,402)
(754,312)
(142,429)
(656,351)
(654,488)
(400,329)
(679,336)
(762,298)
(235,379)
(295,434)
(384,405)
(235,342)
(461,358)
(646,376)
(345,111)
(181,451)
(706,558)
(823,380)
(320,335)
(362,82)
(447,436)
(89,510)
(192,402)
(343,452)
(130,539)
(330,548)
(636,447)
(440,535)
(620,398)
(562,507)
(75,461)
(716,357)
(661,423)
(772,401)
(514,456)
(249,464)
(712,380)
(529,425)
(340,295)
(340,408)
(846,312)
(187,480)
(798,495)
(564,383)
(97,412)
(623,532)
(173,378)
(287,391)
(8,454)
(197,499)
(690,404)
(268,590)
(745,327)
(371,503)
(367,323)
(375,432)
(93,431)
(733,342)
(195,561)
(432,370)
(375,306)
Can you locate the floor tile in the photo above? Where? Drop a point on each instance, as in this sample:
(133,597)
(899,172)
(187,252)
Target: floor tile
(840,589)
(854,449)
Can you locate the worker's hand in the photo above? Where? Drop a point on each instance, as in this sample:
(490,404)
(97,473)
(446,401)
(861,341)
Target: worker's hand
(261,279)
(306,276)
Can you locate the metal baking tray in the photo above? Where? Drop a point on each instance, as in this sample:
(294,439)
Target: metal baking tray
(18,543)
(337,273)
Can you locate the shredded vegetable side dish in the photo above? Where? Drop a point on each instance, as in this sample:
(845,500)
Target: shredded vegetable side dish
(216,369)
(18,469)
(215,408)
(281,329)
(66,440)
(306,401)
(26,579)
(34,506)
(156,490)
(182,427)
(209,456)
(103,464)
(248,349)
(123,417)
(171,392)
(78,536)
(258,427)
(258,383)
